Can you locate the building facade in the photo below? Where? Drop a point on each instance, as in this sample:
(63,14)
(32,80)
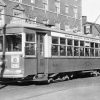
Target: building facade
(90,28)
(60,14)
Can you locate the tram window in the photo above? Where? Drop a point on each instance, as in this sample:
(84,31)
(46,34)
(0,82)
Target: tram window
(54,40)
(75,42)
(13,43)
(81,51)
(81,43)
(92,44)
(1,43)
(55,47)
(30,49)
(76,51)
(62,41)
(91,52)
(69,51)
(86,51)
(96,52)
(96,45)
(62,50)
(69,42)
(30,37)
(55,50)
(30,45)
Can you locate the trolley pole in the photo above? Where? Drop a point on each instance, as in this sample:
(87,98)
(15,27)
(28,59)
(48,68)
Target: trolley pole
(3,55)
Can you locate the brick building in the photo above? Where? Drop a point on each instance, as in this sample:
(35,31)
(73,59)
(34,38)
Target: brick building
(60,14)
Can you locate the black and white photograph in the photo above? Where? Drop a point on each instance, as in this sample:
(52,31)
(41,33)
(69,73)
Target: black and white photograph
(49,49)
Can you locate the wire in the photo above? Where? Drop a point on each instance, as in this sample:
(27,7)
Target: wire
(97,19)
(30,19)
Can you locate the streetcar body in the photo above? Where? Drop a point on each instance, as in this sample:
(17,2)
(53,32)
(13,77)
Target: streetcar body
(40,53)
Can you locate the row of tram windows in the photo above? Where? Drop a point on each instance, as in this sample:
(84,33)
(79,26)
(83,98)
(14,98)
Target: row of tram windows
(78,48)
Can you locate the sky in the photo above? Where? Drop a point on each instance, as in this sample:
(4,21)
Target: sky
(91,9)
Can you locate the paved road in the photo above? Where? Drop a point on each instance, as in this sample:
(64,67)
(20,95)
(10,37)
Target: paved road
(78,89)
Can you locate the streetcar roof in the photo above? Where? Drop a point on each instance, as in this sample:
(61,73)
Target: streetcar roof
(44,28)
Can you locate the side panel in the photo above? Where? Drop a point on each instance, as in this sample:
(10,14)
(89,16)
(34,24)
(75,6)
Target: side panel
(14,66)
(72,64)
(30,67)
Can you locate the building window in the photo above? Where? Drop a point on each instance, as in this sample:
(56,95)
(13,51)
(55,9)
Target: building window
(67,27)
(75,12)
(31,20)
(45,4)
(17,13)
(57,5)
(1,12)
(88,29)
(66,9)
(33,1)
(17,1)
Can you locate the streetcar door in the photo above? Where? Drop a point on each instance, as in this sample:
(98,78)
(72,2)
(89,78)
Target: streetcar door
(40,53)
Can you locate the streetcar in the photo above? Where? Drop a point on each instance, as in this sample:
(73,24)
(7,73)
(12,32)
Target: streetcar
(46,54)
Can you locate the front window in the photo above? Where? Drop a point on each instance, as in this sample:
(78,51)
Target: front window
(13,43)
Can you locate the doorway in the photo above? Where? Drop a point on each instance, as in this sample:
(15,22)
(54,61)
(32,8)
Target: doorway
(40,53)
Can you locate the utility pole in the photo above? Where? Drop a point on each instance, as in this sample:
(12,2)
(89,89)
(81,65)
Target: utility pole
(3,55)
